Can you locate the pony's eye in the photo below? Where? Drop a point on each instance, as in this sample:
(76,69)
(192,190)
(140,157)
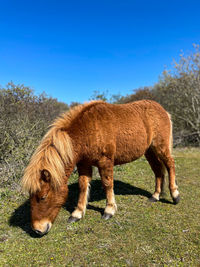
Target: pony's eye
(43,198)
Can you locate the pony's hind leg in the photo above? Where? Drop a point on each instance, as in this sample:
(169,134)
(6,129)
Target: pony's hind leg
(85,175)
(169,163)
(106,172)
(164,154)
(159,170)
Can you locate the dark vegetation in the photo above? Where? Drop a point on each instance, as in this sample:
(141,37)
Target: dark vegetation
(24,119)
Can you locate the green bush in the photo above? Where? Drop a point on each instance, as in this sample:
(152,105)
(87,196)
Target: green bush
(24,119)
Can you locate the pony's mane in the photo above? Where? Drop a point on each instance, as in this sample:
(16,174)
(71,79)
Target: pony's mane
(54,152)
(64,121)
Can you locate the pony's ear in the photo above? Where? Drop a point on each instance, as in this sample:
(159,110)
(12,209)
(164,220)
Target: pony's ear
(45,176)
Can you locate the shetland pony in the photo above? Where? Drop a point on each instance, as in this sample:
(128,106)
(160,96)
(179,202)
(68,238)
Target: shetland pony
(102,135)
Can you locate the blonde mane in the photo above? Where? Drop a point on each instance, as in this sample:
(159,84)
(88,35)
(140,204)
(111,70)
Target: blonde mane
(53,154)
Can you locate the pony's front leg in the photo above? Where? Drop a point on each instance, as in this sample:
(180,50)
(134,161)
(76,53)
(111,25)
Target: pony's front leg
(85,175)
(106,173)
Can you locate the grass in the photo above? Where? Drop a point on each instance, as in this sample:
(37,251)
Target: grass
(140,234)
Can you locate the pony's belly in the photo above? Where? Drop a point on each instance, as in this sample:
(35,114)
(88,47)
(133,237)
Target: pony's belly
(128,156)
(130,147)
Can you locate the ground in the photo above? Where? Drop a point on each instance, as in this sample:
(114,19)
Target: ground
(140,234)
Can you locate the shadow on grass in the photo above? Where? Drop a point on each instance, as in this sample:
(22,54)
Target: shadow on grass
(97,193)
(21,216)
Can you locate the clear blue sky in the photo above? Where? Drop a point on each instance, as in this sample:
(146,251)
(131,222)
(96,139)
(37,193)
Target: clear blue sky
(71,48)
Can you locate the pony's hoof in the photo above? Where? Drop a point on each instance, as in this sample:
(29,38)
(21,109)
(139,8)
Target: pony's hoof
(107,216)
(152,199)
(176,200)
(73,219)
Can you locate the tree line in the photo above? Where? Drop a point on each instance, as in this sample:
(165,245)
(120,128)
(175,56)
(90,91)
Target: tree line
(25,117)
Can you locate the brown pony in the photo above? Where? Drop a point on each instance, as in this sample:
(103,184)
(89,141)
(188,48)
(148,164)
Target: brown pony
(102,135)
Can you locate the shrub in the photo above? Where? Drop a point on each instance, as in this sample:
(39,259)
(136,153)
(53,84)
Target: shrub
(23,122)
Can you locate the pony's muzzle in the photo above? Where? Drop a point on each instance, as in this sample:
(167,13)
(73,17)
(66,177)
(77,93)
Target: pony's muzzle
(41,227)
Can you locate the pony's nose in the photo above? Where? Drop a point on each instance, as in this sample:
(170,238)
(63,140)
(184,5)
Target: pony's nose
(38,232)
(47,229)
(43,233)
(42,229)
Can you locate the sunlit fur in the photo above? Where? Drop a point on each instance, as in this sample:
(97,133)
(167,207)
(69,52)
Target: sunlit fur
(102,135)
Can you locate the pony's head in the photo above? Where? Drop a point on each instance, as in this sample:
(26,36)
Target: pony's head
(46,203)
(45,179)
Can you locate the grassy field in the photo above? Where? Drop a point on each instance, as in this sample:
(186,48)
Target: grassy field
(140,234)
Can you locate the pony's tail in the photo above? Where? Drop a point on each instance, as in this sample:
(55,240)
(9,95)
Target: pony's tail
(171,134)
(170,149)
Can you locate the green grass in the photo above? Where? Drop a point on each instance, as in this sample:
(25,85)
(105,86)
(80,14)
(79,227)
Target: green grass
(140,234)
